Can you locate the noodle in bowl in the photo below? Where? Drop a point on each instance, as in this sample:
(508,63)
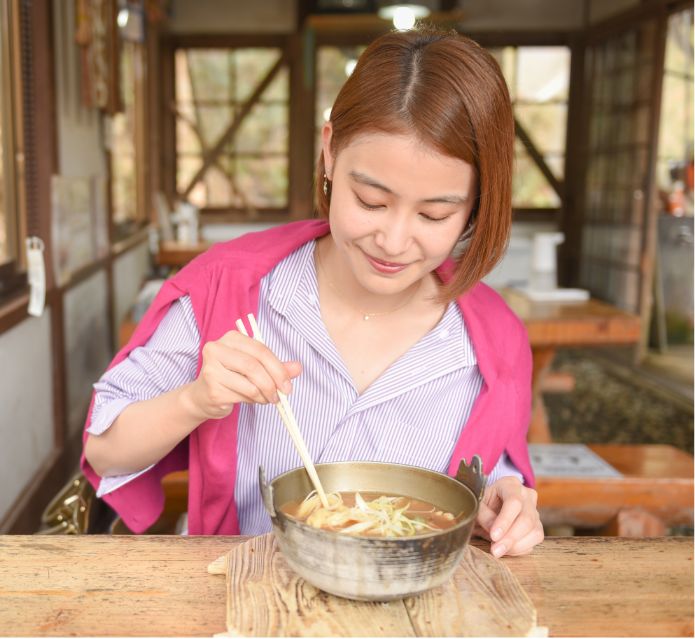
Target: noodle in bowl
(367,567)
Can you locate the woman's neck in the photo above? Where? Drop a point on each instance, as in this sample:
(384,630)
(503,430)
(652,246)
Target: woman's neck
(337,279)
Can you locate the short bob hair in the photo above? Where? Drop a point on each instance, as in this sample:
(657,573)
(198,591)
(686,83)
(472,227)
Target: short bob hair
(450,93)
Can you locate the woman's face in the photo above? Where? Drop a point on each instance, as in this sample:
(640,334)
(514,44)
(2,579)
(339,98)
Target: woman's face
(397,208)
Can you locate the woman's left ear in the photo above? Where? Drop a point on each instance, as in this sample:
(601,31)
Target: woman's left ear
(326,137)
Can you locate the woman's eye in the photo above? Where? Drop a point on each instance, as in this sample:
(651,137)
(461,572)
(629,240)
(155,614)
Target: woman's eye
(431,218)
(366,205)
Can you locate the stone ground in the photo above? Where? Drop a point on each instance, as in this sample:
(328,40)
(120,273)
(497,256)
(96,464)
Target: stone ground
(606,407)
(609,408)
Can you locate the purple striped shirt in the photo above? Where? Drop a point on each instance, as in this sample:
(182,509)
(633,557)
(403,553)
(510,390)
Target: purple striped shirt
(411,414)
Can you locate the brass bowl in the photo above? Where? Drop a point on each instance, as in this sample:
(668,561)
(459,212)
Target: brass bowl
(367,568)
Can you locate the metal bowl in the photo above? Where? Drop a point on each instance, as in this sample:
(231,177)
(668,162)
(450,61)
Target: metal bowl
(367,568)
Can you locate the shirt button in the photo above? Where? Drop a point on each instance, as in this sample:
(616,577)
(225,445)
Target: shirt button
(444,333)
(312,299)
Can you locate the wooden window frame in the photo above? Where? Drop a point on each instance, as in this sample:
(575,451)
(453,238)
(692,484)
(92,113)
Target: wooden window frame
(13,278)
(120,232)
(224,215)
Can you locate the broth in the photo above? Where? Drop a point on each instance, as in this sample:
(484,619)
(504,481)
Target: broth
(371,514)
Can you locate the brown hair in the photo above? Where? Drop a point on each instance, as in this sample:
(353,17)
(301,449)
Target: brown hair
(448,91)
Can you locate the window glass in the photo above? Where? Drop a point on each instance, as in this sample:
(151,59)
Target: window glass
(5,249)
(675,152)
(123,144)
(333,66)
(538,80)
(251,169)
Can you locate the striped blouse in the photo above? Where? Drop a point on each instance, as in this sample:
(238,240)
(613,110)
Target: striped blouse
(412,414)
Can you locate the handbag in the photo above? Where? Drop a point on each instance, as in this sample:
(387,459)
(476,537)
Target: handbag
(76,510)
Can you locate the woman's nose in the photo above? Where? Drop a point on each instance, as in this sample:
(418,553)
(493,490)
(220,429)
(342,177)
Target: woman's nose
(394,236)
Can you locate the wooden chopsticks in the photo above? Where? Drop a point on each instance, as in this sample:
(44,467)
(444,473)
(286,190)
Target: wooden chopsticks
(288,418)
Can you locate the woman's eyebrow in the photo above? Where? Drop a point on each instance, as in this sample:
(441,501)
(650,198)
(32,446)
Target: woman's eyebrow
(368,181)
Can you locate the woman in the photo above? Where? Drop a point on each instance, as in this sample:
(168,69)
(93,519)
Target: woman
(392,350)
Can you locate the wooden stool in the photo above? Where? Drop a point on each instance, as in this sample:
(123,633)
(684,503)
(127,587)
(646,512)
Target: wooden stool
(655,491)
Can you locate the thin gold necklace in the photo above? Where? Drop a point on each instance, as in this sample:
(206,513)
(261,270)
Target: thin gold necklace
(365,316)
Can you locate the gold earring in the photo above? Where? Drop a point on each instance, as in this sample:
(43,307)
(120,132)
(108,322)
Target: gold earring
(325,185)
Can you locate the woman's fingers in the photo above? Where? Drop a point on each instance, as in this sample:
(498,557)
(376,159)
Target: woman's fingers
(252,369)
(526,527)
(294,369)
(254,360)
(525,544)
(511,507)
(235,387)
(508,513)
(486,517)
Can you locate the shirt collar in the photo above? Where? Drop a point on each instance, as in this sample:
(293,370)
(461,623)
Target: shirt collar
(293,283)
(285,279)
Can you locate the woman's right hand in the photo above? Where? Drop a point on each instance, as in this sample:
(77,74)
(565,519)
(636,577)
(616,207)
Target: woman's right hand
(237,368)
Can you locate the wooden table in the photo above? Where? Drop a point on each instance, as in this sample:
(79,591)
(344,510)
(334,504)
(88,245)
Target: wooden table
(178,254)
(135,586)
(654,492)
(553,325)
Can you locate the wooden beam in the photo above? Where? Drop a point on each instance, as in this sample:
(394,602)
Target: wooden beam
(538,158)
(651,204)
(575,169)
(235,124)
(302,118)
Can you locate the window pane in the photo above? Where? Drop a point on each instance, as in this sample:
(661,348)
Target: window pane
(506,58)
(263,182)
(530,189)
(186,168)
(203,74)
(546,125)
(279,88)
(332,66)
(211,87)
(264,130)
(4,247)
(123,154)
(675,112)
(252,65)
(213,122)
(187,138)
(679,43)
(539,85)
(543,73)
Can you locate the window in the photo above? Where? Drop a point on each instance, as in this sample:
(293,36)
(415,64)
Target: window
(333,66)
(126,129)
(538,80)
(10,213)
(232,122)
(675,151)
(619,87)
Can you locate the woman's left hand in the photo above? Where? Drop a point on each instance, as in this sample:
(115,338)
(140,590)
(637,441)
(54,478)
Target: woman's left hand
(508,518)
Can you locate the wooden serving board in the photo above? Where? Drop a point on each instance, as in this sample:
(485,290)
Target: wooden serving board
(265,597)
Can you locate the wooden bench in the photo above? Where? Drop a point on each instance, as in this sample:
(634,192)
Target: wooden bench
(655,492)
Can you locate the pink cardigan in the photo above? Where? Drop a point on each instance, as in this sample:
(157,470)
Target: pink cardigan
(223,285)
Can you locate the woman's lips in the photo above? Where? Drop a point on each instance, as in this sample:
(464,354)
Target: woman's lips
(382,266)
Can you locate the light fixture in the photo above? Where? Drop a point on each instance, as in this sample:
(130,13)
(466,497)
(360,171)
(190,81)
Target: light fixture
(131,22)
(403,16)
(123,17)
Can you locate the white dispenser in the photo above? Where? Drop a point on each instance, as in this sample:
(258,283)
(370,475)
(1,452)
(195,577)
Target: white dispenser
(543,278)
(544,261)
